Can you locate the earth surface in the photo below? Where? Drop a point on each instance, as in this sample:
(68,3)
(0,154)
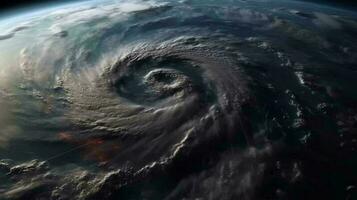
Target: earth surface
(191,99)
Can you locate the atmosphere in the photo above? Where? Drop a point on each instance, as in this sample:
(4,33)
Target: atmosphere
(23,3)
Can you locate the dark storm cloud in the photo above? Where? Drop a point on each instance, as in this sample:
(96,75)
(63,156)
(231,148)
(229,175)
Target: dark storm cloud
(12,32)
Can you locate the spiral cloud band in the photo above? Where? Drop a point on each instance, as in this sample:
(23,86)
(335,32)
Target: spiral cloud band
(177,100)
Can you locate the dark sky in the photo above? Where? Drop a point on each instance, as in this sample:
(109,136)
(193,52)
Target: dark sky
(6,4)
(342,3)
(10,4)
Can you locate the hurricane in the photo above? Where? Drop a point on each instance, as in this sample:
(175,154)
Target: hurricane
(179,100)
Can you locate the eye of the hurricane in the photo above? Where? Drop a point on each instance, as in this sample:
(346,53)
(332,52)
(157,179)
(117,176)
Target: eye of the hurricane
(162,76)
(157,80)
(167,81)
